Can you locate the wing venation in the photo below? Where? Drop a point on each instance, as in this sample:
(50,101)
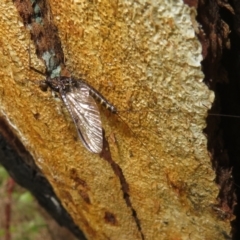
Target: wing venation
(86,116)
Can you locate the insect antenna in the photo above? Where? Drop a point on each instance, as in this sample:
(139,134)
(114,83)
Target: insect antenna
(156,130)
(30,62)
(110,107)
(41,83)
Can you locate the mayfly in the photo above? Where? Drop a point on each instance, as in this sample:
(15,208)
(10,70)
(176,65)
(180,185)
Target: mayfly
(79,97)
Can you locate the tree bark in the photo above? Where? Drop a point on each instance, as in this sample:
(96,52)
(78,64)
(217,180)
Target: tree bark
(154,178)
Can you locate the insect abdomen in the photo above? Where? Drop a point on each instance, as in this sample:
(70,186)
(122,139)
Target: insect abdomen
(102,100)
(98,96)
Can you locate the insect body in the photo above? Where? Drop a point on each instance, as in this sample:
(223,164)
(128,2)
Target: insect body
(79,97)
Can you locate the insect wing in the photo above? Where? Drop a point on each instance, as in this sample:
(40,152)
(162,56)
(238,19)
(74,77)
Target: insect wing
(86,117)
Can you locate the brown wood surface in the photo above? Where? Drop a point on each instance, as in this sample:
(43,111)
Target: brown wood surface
(154,181)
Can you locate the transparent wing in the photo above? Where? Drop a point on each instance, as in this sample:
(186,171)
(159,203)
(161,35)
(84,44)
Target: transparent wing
(86,117)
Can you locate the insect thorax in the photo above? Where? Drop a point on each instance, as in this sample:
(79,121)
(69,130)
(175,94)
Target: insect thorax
(61,83)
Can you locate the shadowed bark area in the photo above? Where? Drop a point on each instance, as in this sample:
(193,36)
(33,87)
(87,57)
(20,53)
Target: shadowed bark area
(217,44)
(220,21)
(228,92)
(20,165)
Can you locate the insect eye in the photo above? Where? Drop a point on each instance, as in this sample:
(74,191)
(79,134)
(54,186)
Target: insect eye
(43,86)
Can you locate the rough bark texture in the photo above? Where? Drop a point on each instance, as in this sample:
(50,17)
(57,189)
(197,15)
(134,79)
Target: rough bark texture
(154,179)
(23,170)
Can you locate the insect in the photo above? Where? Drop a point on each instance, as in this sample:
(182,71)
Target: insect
(79,97)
